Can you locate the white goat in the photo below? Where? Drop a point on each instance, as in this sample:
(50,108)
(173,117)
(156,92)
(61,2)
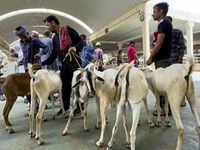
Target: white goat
(107,92)
(135,90)
(82,86)
(174,82)
(43,84)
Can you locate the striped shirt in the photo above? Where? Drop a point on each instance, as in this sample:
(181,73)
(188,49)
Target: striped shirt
(32,48)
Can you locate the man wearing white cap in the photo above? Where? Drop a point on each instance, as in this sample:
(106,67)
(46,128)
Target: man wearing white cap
(99,59)
(35,34)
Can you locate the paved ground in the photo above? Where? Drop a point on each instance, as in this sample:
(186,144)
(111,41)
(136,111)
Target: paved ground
(162,138)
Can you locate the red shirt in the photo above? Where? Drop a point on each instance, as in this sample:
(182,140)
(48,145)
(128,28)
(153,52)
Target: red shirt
(130,51)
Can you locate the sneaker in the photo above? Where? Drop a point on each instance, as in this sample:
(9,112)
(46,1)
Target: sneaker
(77,111)
(27,114)
(25,101)
(2,98)
(60,112)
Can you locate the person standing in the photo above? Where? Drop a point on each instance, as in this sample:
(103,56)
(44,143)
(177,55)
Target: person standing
(178,49)
(3,60)
(31,49)
(99,59)
(119,57)
(66,40)
(162,44)
(87,51)
(48,41)
(132,55)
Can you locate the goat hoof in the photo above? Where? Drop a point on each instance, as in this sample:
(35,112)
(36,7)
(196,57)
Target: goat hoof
(44,120)
(11,131)
(109,148)
(97,127)
(66,116)
(86,130)
(40,141)
(168,124)
(158,124)
(151,124)
(99,144)
(63,134)
(128,144)
(54,116)
(32,135)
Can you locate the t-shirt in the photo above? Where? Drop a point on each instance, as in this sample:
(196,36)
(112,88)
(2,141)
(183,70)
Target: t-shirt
(99,52)
(164,26)
(130,51)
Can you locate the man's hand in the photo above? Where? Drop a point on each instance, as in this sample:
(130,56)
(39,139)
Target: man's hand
(12,55)
(38,56)
(72,50)
(1,66)
(20,63)
(179,61)
(149,61)
(37,65)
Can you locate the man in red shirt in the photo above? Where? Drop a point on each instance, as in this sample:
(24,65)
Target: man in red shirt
(132,55)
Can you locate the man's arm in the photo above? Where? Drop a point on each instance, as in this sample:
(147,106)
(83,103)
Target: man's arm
(44,47)
(157,47)
(76,39)
(51,58)
(181,48)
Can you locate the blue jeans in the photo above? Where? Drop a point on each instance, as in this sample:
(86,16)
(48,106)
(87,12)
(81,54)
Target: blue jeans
(1,93)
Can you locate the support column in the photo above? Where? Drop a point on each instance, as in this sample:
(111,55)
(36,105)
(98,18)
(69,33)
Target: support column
(145,33)
(189,33)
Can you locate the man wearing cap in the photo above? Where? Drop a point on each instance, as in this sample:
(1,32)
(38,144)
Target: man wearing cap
(119,57)
(99,59)
(35,34)
(30,48)
(132,55)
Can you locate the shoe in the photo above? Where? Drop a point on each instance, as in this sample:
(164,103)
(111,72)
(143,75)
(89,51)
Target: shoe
(77,111)
(162,113)
(2,98)
(60,112)
(27,114)
(25,101)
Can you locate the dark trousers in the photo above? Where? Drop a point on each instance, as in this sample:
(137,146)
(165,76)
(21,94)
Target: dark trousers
(66,77)
(163,64)
(28,96)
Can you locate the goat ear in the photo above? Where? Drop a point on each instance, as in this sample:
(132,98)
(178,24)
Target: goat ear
(81,69)
(76,84)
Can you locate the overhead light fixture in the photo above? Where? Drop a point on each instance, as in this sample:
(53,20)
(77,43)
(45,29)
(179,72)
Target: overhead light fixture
(50,11)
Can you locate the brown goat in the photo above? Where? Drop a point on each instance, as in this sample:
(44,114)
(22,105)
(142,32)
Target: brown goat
(13,86)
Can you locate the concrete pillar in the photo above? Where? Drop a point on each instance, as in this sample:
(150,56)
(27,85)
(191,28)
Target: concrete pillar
(145,33)
(91,43)
(189,33)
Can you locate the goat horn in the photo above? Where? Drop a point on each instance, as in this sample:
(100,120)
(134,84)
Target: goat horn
(87,61)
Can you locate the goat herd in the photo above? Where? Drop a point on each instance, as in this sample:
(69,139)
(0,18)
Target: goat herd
(125,84)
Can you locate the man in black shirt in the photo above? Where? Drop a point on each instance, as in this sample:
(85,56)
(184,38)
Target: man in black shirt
(74,45)
(162,43)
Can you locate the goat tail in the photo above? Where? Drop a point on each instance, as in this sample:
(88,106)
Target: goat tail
(30,70)
(191,65)
(117,78)
(127,79)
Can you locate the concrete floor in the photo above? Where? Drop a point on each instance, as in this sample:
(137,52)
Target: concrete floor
(158,138)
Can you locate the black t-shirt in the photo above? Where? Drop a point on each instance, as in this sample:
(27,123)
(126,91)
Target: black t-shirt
(165,26)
